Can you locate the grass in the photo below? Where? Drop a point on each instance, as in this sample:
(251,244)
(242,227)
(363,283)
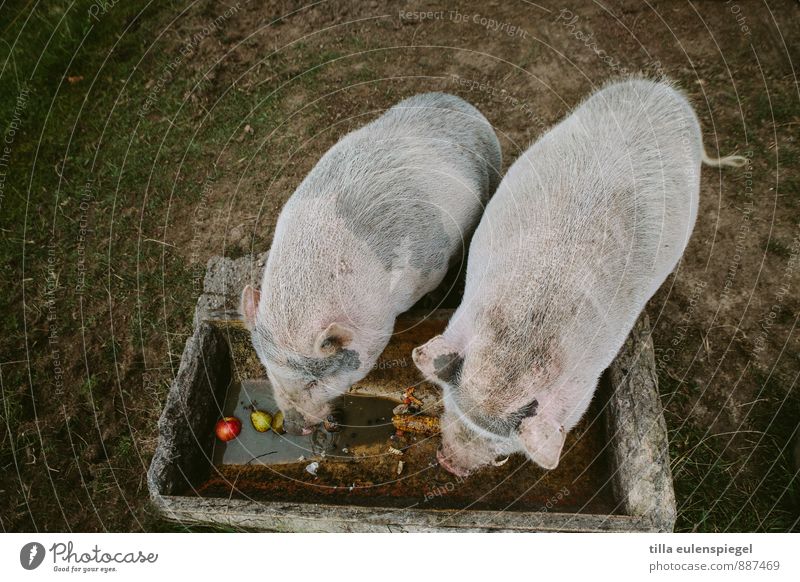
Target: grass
(100,162)
(776,247)
(83,154)
(46,198)
(10,413)
(714,490)
(776,106)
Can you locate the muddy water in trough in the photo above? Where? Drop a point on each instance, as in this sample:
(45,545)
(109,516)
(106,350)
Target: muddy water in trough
(356,466)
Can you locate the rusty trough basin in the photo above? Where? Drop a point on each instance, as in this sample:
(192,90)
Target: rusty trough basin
(613,476)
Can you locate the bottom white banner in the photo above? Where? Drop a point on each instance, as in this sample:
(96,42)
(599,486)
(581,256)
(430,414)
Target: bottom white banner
(281,557)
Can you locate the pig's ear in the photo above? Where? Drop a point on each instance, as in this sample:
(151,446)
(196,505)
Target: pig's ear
(333,338)
(249,305)
(543,440)
(438,360)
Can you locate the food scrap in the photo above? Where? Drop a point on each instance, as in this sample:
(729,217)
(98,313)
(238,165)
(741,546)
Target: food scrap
(277,423)
(417,423)
(228,428)
(410,400)
(261,421)
(333,422)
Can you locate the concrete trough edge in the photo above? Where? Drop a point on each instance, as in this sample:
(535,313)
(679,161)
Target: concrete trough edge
(300,517)
(642,478)
(638,432)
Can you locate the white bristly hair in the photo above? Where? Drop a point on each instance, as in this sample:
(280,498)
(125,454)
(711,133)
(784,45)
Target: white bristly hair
(370,230)
(584,228)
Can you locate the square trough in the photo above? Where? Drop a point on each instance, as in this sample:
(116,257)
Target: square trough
(614,474)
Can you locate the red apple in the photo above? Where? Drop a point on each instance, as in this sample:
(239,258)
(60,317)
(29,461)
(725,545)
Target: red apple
(228,428)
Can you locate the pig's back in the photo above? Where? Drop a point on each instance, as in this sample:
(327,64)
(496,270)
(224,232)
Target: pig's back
(590,220)
(451,130)
(409,185)
(626,179)
(424,146)
(388,206)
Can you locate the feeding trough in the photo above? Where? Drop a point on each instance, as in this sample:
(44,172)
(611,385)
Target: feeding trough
(613,476)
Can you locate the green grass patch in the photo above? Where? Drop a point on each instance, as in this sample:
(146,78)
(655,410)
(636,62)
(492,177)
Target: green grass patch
(735,482)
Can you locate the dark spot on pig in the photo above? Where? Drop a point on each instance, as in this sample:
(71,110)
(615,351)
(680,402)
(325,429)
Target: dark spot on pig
(519,339)
(388,210)
(380,181)
(396,222)
(264,345)
(448,366)
(343,360)
(537,319)
(501,426)
(527,411)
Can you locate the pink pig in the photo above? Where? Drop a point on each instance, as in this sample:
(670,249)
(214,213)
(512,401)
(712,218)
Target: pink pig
(584,228)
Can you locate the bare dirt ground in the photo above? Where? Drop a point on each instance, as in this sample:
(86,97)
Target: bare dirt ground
(153,138)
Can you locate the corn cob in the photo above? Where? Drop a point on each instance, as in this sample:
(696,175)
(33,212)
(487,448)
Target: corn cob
(417,423)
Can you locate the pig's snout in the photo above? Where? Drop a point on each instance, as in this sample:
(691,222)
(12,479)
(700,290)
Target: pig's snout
(295,424)
(448,466)
(297,429)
